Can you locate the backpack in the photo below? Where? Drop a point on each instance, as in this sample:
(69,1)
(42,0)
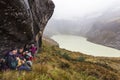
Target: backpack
(13,65)
(11,61)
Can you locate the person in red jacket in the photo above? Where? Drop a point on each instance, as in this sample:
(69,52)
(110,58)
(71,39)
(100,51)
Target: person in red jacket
(33,49)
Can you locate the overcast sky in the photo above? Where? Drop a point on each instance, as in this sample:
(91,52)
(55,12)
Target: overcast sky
(71,9)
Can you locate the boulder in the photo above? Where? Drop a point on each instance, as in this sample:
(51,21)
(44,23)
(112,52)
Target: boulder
(23,22)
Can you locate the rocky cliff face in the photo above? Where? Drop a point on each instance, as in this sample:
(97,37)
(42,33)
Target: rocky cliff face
(23,21)
(106,29)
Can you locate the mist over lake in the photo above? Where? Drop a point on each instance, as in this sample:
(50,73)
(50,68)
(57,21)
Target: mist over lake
(80,44)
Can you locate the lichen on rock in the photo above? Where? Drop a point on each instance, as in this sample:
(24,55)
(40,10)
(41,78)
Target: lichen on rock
(22,23)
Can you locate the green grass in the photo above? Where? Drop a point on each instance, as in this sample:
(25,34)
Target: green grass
(53,63)
(80,59)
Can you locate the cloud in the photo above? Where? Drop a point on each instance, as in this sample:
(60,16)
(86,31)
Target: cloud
(69,9)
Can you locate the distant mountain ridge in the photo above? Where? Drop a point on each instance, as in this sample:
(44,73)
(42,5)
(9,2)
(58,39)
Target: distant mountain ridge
(102,28)
(106,30)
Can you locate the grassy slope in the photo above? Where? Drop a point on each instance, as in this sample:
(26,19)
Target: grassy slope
(54,63)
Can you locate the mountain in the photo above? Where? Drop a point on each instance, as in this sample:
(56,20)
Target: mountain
(106,30)
(79,26)
(23,22)
(101,28)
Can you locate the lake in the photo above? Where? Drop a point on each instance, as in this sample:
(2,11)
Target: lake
(80,44)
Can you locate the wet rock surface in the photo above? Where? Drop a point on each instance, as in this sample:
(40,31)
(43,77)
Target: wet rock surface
(23,22)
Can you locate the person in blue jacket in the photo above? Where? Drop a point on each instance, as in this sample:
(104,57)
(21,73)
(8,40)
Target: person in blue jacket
(12,59)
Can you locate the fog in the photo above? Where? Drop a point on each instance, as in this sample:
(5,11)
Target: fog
(79,16)
(69,9)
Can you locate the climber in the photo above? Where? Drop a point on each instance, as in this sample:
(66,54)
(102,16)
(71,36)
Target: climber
(25,64)
(14,62)
(33,49)
(29,61)
(22,65)
(27,55)
(18,59)
(11,60)
(20,53)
